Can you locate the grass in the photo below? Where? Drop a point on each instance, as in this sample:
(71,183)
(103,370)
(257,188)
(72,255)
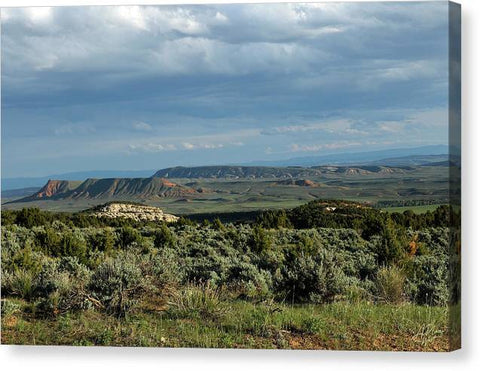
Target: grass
(361,326)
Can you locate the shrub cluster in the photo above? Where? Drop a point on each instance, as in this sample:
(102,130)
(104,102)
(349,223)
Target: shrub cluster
(58,266)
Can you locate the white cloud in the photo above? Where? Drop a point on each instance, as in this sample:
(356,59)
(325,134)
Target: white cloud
(186,143)
(152,147)
(39,14)
(163,147)
(193,146)
(193,39)
(74,129)
(435,117)
(132,15)
(319,147)
(394,127)
(142,126)
(416,121)
(332,126)
(380,72)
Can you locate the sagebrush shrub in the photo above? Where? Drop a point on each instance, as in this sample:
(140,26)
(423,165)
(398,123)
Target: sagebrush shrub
(61,286)
(52,263)
(18,283)
(390,284)
(428,279)
(166,268)
(9,308)
(198,301)
(118,283)
(311,277)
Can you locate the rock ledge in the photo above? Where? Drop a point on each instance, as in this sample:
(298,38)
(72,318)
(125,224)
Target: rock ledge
(135,212)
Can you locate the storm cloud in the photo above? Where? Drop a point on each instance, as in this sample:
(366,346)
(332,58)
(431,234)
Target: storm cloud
(140,87)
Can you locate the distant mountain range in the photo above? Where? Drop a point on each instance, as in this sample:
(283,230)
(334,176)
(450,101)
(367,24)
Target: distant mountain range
(391,157)
(21,192)
(364,158)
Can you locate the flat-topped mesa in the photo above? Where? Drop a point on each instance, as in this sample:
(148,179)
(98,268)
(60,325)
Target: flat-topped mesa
(135,212)
(148,188)
(110,188)
(233,172)
(267,172)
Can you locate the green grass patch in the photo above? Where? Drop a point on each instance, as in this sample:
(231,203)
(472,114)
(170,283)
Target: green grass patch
(361,326)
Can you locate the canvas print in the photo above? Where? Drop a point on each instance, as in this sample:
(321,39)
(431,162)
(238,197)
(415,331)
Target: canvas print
(275,176)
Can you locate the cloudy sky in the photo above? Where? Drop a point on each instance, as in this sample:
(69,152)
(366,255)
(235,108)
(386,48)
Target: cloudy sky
(90,88)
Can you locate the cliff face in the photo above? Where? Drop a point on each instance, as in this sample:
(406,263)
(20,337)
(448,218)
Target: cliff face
(52,189)
(119,188)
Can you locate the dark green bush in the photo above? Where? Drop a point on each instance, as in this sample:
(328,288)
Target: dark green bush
(128,236)
(260,240)
(163,237)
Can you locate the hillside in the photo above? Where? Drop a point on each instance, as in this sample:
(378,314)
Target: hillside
(235,172)
(120,188)
(298,183)
(361,170)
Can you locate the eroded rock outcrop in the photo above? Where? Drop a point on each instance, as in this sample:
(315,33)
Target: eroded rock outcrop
(135,212)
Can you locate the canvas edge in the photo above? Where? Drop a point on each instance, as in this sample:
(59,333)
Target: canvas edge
(454,138)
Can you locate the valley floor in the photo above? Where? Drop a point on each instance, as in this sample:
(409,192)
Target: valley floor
(242,324)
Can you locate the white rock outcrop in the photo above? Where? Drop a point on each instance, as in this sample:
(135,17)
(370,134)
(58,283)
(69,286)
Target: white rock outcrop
(135,212)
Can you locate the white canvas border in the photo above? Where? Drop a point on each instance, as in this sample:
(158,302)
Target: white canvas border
(75,358)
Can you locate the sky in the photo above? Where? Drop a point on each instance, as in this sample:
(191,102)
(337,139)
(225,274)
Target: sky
(148,87)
